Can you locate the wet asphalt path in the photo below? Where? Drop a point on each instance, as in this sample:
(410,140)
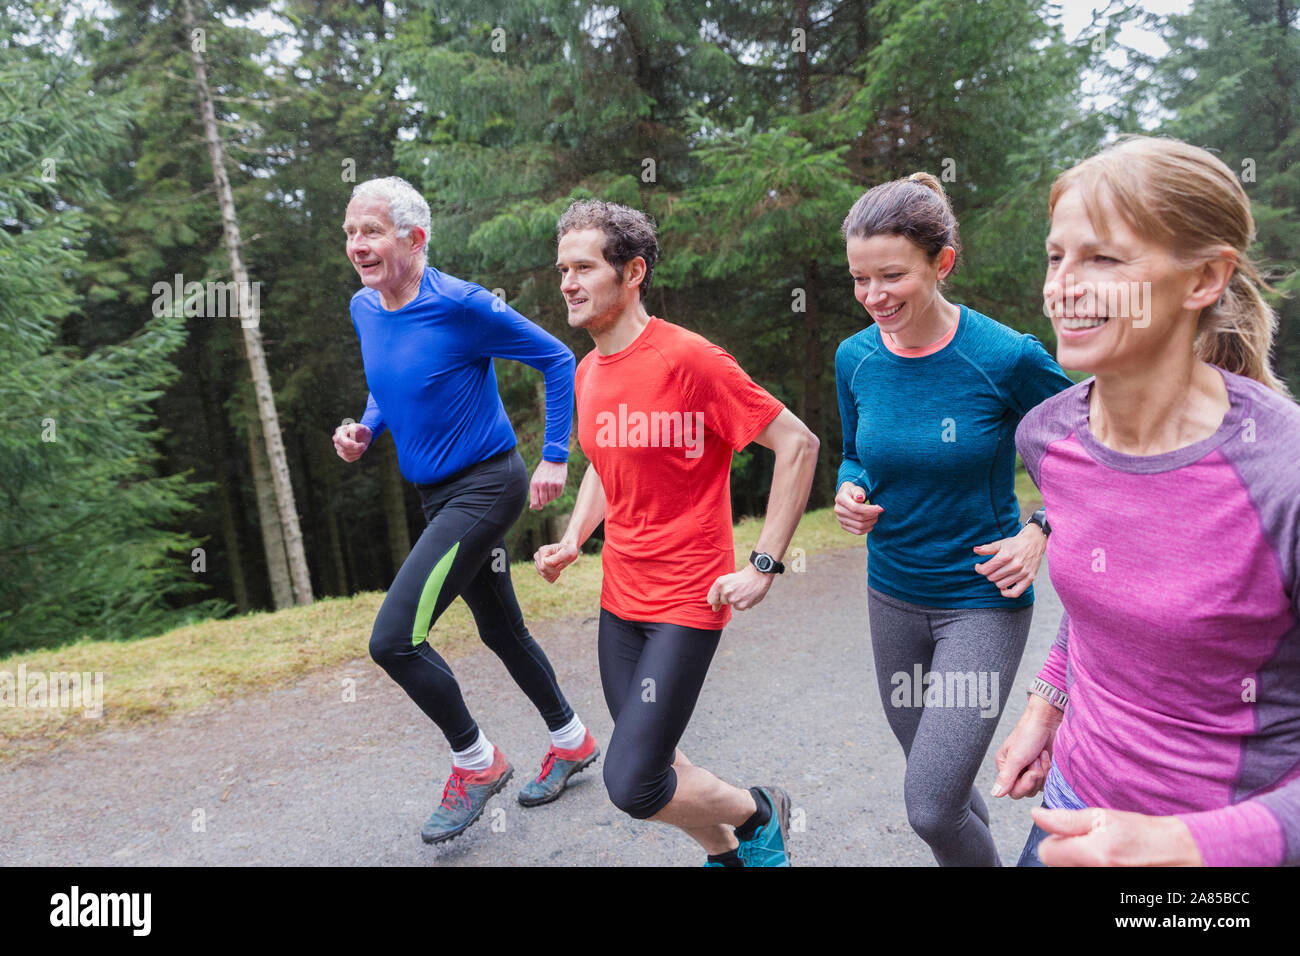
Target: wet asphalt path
(301,776)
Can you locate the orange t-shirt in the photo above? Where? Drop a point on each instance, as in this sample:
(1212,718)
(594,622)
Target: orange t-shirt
(658,421)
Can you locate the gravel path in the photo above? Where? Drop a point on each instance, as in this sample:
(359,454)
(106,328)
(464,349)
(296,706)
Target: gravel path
(303,776)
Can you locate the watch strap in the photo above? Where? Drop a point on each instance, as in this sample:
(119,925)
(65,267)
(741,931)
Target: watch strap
(1057,698)
(776,567)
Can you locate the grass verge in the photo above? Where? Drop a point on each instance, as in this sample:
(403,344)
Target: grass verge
(185,670)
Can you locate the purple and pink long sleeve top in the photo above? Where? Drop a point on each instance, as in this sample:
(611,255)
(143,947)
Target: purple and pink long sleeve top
(1180,642)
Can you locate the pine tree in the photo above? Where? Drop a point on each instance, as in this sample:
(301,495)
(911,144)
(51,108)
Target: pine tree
(84,548)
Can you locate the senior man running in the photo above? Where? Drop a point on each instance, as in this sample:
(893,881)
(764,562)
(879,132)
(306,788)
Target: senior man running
(427,344)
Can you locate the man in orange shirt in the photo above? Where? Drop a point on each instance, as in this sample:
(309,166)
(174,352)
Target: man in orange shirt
(660,411)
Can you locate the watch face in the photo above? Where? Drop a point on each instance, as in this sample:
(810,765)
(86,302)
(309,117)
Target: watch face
(764,562)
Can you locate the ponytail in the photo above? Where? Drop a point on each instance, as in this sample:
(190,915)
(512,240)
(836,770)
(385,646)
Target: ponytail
(1236,333)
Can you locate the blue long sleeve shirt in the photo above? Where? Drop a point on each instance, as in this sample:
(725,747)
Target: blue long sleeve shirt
(932,441)
(429,369)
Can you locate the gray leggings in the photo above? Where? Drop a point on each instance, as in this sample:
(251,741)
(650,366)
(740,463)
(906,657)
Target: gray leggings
(944,677)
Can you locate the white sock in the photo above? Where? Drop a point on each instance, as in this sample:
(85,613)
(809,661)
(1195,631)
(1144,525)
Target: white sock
(478,756)
(570,736)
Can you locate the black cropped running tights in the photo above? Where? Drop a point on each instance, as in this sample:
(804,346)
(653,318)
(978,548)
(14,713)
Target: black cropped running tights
(652,674)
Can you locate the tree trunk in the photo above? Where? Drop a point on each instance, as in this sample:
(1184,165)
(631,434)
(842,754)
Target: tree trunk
(234,559)
(277,563)
(394,496)
(812,346)
(355,574)
(249,318)
(805,89)
(1282,118)
(336,552)
(215,424)
(308,511)
(812,373)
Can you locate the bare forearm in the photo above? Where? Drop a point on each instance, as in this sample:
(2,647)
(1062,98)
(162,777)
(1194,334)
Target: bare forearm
(792,476)
(588,511)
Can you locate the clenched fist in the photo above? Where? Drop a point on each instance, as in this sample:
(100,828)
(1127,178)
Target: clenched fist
(351,441)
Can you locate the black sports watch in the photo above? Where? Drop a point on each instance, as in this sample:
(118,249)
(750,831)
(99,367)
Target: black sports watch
(1039,518)
(766,563)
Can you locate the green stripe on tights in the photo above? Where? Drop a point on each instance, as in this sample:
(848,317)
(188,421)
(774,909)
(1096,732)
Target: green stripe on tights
(429,596)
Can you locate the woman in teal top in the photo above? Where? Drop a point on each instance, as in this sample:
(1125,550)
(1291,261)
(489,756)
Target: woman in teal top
(930,396)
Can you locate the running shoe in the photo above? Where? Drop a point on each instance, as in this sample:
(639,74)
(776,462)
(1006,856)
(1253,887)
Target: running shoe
(770,846)
(463,799)
(557,767)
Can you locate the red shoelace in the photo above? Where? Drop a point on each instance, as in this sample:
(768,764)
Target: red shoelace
(547,763)
(455,788)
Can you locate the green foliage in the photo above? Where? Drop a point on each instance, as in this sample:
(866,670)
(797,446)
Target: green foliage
(1231,83)
(745,129)
(761,201)
(83,545)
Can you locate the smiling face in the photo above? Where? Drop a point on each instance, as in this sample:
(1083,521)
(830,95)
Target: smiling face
(1116,302)
(897,283)
(384,261)
(595,294)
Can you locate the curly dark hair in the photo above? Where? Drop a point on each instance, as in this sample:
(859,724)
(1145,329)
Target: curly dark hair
(628,233)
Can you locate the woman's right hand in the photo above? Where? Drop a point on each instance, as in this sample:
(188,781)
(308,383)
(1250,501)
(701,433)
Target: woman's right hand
(1026,756)
(551,559)
(852,511)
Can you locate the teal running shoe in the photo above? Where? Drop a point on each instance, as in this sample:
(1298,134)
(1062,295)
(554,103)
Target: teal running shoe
(770,846)
(557,767)
(463,799)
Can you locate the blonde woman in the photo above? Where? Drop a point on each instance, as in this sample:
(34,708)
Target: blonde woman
(1164,727)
